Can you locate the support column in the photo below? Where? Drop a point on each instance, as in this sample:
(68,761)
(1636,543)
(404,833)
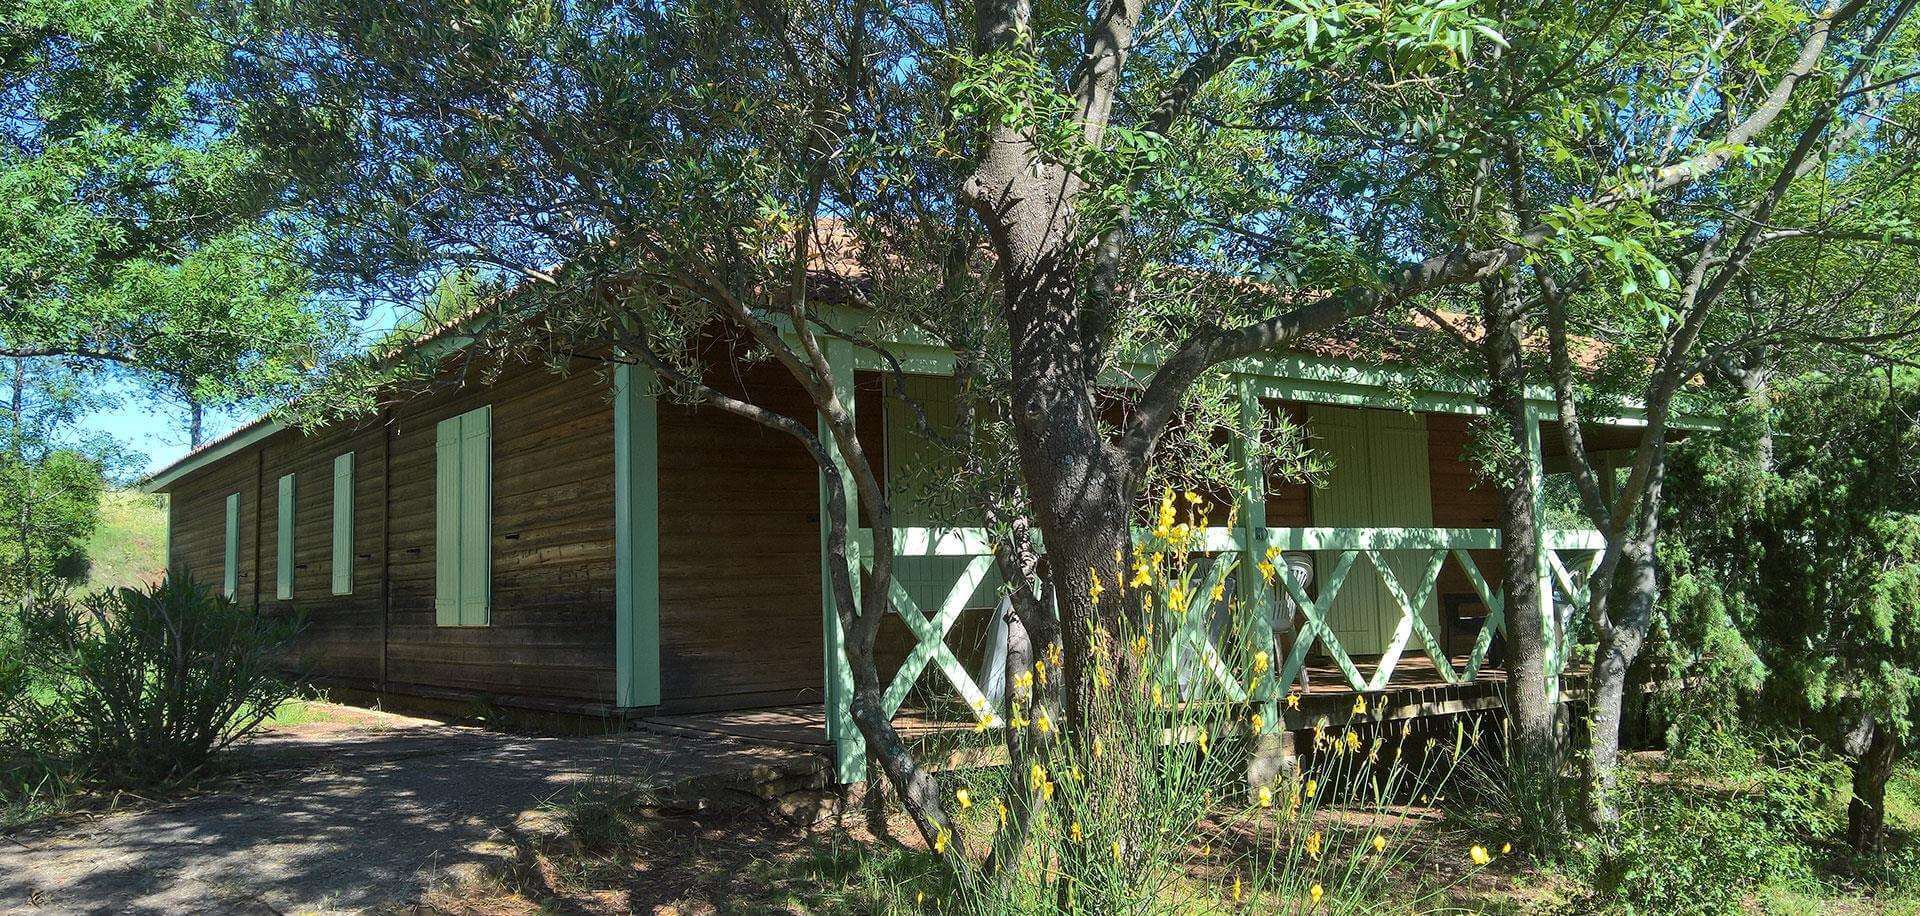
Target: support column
(1550,622)
(849,748)
(1272,755)
(636,536)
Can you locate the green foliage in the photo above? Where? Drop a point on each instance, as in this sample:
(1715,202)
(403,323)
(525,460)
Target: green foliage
(141,234)
(1703,835)
(141,687)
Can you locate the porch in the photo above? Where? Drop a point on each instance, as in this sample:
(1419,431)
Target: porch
(1442,655)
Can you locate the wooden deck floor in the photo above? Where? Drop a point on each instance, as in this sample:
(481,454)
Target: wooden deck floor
(1416,690)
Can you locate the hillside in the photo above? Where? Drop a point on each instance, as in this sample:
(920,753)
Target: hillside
(130,545)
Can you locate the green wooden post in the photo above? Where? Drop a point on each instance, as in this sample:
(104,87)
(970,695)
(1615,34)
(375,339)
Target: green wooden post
(850,750)
(636,536)
(1549,621)
(1256,596)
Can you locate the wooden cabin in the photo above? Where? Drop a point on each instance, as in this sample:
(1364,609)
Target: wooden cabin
(568,541)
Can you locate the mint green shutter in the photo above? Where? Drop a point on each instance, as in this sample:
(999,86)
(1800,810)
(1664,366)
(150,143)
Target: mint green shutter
(283,553)
(476,516)
(1402,498)
(1345,500)
(230,554)
(446,523)
(343,524)
(463,519)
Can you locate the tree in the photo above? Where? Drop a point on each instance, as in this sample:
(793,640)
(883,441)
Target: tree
(1058,194)
(1824,563)
(140,234)
(1753,266)
(51,479)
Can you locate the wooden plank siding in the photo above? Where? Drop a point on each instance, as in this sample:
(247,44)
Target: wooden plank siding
(342,640)
(551,636)
(740,549)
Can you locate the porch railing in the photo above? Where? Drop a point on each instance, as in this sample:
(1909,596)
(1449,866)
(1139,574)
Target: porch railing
(1568,561)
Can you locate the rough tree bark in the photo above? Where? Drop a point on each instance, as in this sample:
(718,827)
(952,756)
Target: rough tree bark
(1535,744)
(1867,811)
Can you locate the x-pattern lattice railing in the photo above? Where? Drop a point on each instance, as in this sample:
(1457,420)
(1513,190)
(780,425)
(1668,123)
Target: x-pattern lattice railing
(1227,555)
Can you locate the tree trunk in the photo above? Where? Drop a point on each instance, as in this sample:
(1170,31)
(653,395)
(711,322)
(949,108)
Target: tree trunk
(1620,646)
(1867,812)
(1638,588)
(1535,748)
(196,422)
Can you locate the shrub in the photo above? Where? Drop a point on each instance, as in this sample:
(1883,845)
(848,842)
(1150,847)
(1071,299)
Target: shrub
(1149,810)
(1705,834)
(142,687)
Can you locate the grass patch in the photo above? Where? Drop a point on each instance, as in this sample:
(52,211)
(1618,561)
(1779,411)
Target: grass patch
(129,546)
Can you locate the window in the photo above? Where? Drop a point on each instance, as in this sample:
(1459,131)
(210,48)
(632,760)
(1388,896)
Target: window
(343,524)
(230,553)
(283,552)
(463,524)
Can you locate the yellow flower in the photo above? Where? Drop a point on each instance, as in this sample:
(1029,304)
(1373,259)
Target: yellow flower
(1266,797)
(1177,600)
(1353,741)
(1360,706)
(1219,591)
(1099,748)
(1479,854)
(1293,701)
(1139,646)
(1238,894)
(920,898)
(1193,497)
(985,723)
(1043,724)
(1261,661)
(1023,681)
(1040,672)
(1316,892)
(1001,807)
(1267,571)
(1094,588)
(1506,848)
(1312,787)
(1036,776)
(964,798)
(1158,698)
(1379,844)
(1046,790)
(1259,723)
(1141,575)
(1056,656)
(1116,850)
(1075,831)
(1314,843)
(1073,773)
(940,841)
(1202,739)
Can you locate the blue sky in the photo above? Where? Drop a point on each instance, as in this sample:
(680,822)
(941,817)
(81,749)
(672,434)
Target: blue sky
(155,430)
(159,431)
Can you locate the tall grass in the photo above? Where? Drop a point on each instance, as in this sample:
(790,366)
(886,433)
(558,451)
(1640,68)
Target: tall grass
(1149,807)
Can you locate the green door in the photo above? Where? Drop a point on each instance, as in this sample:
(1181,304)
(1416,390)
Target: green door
(1379,480)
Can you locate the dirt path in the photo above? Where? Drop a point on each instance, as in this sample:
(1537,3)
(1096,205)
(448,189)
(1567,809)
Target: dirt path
(337,816)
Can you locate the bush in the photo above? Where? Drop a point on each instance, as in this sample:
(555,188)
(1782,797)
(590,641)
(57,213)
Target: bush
(140,687)
(1150,810)
(1707,833)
